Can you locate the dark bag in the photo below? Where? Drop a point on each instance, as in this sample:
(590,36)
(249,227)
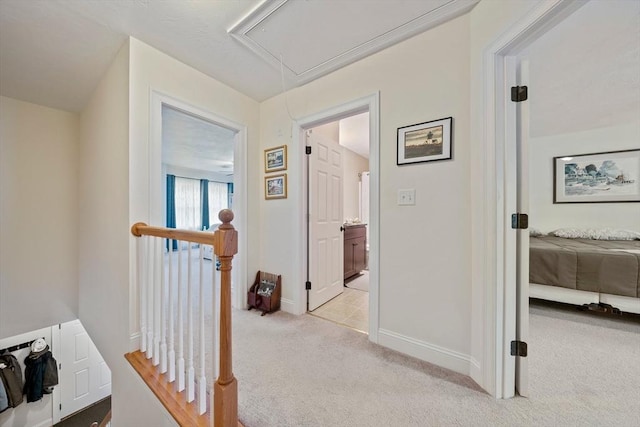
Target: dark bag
(50,374)
(12,379)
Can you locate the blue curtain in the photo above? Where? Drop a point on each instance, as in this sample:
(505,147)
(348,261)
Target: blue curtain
(204,202)
(230,195)
(171,207)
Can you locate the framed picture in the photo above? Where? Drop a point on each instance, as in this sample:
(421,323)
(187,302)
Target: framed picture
(275,187)
(275,159)
(597,177)
(425,142)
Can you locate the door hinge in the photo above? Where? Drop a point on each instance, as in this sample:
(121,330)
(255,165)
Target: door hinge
(519,93)
(520,221)
(307,149)
(307,285)
(519,348)
(61,406)
(60,366)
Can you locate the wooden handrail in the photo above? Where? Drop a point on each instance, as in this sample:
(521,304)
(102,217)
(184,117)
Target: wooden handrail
(205,237)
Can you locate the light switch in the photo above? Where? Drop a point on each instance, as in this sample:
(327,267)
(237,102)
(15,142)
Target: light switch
(407,197)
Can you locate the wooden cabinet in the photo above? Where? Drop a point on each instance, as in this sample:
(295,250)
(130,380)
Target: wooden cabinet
(355,249)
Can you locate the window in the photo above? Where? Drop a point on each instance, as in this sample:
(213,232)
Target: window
(218,200)
(188,210)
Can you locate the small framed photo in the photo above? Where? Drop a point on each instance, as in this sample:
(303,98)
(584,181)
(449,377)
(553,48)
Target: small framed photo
(275,159)
(275,187)
(597,177)
(425,142)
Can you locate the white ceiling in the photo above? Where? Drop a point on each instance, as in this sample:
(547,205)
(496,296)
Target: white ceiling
(53,52)
(585,72)
(354,134)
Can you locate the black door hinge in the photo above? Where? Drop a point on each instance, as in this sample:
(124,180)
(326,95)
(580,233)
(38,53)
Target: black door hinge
(307,149)
(519,93)
(307,286)
(519,348)
(61,406)
(520,221)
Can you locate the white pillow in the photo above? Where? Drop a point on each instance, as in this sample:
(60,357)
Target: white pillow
(596,234)
(534,232)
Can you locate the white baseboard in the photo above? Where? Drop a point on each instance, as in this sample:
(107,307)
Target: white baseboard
(288,305)
(431,353)
(134,341)
(45,423)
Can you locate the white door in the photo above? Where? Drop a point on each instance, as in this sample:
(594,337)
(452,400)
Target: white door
(326,264)
(522,238)
(516,281)
(83,376)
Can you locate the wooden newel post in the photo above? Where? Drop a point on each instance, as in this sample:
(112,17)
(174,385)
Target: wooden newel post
(225,390)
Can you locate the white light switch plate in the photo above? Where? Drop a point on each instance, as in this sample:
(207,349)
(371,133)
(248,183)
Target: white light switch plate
(407,197)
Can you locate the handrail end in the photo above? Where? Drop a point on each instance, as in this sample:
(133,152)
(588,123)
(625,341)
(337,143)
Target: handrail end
(135,228)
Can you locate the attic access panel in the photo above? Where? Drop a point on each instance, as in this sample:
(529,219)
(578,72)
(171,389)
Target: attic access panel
(314,37)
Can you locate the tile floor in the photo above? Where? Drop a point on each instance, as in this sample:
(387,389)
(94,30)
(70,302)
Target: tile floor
(350,308)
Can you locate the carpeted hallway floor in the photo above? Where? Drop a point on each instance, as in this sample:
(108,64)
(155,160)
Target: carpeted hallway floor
(305,371)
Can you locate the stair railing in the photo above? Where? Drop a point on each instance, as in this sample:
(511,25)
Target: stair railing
(164,292)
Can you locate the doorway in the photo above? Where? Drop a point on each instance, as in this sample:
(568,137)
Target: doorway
(513,180)
(368,104)
(214,150)
(341,293)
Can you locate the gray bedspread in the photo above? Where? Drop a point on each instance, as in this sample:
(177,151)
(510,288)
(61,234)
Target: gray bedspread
(606,266)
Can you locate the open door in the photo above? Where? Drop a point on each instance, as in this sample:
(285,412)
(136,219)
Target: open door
(326,262)
(516,300)
(522,238)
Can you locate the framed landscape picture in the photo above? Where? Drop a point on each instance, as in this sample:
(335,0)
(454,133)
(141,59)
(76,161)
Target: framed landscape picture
(597,177)
(425,142)
(275,187)
(275,159)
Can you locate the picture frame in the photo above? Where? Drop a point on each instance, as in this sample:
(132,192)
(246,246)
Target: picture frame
(425,142)
(275,186)
(275,159)
(607,177)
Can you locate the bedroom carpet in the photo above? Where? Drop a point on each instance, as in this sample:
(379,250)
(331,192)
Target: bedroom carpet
(306,371)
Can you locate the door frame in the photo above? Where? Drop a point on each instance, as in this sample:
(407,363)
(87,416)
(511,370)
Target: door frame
(371,104)
(499,260)
(157,190)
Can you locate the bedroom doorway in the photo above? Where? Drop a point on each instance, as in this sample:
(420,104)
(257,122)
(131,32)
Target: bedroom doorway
(206,153)
(310,270)
(533,140)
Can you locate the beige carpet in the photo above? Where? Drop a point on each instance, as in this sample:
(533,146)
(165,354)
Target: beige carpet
(305,371)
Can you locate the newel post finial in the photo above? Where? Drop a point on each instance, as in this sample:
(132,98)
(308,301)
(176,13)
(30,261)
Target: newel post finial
(225,216)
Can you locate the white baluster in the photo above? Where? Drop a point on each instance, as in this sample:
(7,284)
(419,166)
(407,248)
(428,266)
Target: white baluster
(142,288)
(149,285)
(157,288)
(163,310)
(202,380)
(180,385)
(215,324)
(172,352)
(190,368)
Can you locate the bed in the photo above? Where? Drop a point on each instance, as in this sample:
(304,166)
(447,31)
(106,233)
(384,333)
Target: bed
(586,271)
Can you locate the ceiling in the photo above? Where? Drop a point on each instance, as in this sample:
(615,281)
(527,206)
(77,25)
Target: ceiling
(53,52)
(585,72)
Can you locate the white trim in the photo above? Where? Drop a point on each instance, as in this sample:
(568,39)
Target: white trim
(369,103)
(288,305)
(240,31)
(156,189)
(540,18)
(441,356)
(134,341)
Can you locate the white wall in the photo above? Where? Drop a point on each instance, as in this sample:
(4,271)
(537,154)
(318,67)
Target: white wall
(425,260)
(152,70)
(38,216)
(353,164)
(547,216)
